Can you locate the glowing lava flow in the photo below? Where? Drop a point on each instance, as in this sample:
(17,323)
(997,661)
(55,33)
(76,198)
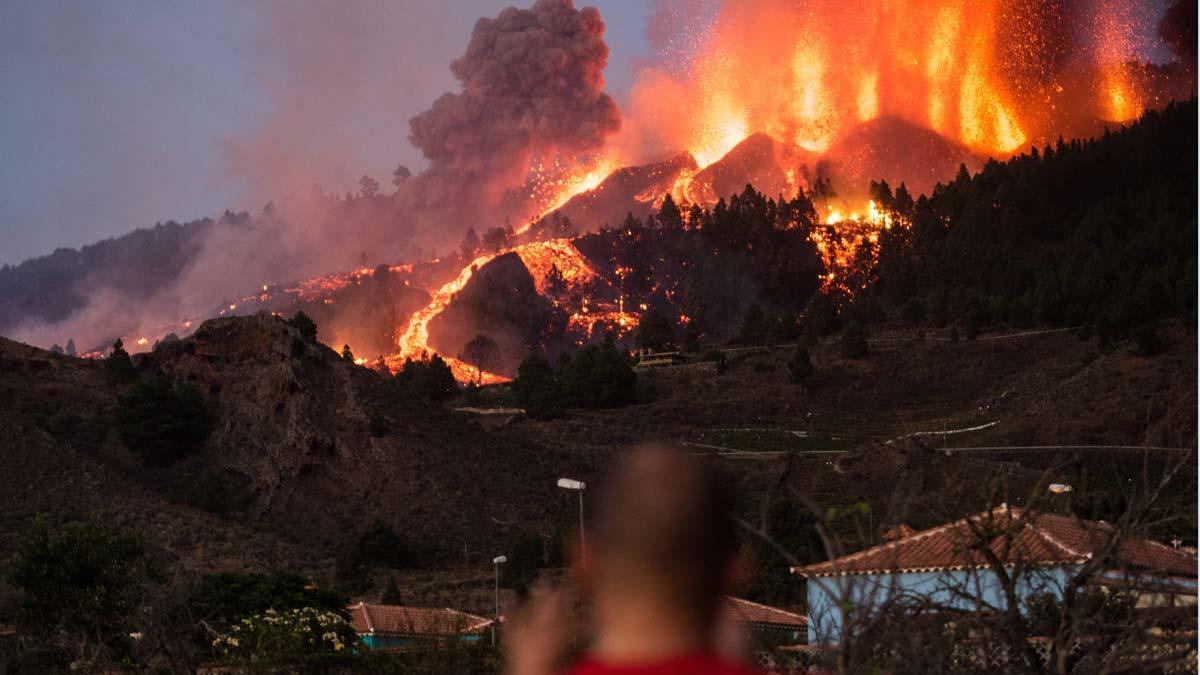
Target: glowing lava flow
(538,258)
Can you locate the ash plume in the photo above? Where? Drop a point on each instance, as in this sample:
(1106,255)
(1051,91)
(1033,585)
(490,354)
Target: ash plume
(532,85)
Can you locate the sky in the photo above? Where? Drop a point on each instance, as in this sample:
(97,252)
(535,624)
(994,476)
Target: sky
(119,114)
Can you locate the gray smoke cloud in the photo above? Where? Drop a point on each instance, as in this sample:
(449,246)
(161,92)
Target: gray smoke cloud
(532,85)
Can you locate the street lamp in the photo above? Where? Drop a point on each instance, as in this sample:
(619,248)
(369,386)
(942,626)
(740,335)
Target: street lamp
(579,486)
(1059,488)
(497,561)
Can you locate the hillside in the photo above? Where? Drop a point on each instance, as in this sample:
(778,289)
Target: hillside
(290,451)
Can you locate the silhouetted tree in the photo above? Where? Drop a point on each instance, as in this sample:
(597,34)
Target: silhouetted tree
(307,327)
(470,245)
(669,217)
(431,379)
(162,422)
(800,365)
(391,593)
(70,351)
(400,175)
(347,355)
(118,367)
(755,328)
(496,239)
(482,353)
(654,331)
(368,187)
(854,340)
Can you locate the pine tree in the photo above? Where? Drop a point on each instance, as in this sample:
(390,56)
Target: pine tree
(669,217)
(470,245)
(391,594)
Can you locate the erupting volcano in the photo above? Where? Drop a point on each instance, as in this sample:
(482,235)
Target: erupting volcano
(817,99)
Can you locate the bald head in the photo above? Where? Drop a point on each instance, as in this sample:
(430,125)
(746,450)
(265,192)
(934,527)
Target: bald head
(665,531)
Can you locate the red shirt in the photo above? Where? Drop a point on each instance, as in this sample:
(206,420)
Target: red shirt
(697,664)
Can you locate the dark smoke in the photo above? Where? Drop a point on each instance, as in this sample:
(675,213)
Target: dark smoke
(532,85)
(1178,29)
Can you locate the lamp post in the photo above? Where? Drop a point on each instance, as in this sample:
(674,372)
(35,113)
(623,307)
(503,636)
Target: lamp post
(1059,488)
(579,486)
(497,561)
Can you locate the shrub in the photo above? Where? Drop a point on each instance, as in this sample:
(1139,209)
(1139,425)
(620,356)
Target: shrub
(430,379)
(287,634)
(536,388)
(118,367)
(800,365)
(307,327)
(162,422)
(79,586)
(228,597)
(598,377)
(854,341)
(654,332)
(380,545)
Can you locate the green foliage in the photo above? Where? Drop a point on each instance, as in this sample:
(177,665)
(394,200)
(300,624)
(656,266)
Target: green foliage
(162,422)
(755,328)
(118,367)
(654,332)
(288,634)
(307,327)
(537,390)
(1098,232)
(854,341)
(800,365)
(79,586)
(228,597)
(598,376)
(430,379)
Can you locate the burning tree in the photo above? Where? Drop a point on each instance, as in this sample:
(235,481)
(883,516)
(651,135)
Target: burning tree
(482,353)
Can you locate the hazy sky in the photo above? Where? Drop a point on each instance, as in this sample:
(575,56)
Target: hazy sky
(121,113)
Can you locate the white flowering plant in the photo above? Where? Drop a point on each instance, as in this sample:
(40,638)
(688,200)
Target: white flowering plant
(294,632)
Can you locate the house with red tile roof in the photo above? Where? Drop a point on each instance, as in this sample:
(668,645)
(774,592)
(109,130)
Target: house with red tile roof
(953,566)
(397,627)
(765,623)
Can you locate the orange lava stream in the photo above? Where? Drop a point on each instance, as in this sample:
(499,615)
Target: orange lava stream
(538,258)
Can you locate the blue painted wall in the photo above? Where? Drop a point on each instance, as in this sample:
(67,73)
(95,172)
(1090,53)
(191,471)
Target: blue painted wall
(833,600)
